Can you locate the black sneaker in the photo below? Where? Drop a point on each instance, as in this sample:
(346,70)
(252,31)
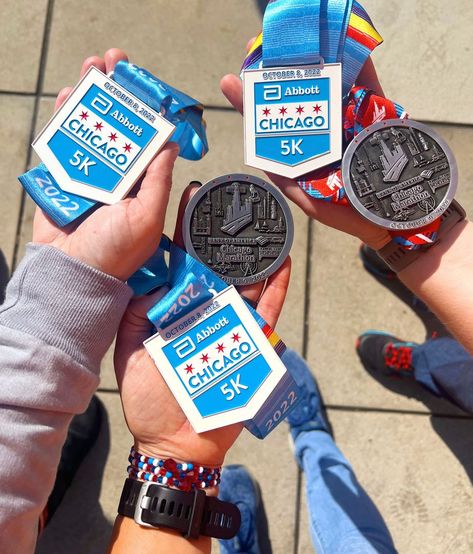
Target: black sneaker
(81,436)
(383,352)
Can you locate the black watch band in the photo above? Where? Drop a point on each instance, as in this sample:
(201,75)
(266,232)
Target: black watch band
(398,258)
(192,513)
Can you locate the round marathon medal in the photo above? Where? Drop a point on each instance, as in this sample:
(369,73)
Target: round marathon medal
(399,174)
(240,227)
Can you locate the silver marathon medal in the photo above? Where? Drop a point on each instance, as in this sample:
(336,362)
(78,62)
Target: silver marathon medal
(293,118)
(399,174)
(240,227)
(101,139)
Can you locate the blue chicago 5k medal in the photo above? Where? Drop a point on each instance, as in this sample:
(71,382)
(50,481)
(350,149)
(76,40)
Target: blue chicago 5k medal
(240,227)
(101,140)
(293,118)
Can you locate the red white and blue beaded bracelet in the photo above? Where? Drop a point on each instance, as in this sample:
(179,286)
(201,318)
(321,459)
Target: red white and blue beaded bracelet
(185,476)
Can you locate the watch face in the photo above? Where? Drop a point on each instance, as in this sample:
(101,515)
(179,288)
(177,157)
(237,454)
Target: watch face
(399,174)
(240,227)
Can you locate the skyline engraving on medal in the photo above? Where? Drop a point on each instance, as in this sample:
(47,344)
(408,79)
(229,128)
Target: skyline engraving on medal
(240,227)
(399,174)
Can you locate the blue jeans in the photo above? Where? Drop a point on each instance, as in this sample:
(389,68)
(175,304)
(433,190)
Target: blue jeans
(445,368)
(343,518)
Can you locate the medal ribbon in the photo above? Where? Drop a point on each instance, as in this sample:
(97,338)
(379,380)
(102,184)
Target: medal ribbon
(192,284)
(337,30)
(181,110)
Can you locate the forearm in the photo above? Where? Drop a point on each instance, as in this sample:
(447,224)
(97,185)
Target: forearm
(58,319)
(443,279)
(129,537)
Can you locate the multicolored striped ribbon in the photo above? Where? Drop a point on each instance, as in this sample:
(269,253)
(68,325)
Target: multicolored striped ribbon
(362,107)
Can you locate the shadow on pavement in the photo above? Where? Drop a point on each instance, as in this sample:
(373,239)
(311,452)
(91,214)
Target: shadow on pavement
(79,524)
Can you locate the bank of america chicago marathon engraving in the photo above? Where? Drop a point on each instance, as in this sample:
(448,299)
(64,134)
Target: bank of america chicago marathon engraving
(399,174)
(240,227)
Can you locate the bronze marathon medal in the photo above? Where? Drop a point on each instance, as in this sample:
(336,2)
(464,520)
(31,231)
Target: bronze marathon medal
(240,227)
(399,174)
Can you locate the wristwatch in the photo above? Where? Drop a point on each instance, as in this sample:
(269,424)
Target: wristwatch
(192,513)
(398,258)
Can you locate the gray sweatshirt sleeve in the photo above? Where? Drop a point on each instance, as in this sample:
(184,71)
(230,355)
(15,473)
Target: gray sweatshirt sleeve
(58,320)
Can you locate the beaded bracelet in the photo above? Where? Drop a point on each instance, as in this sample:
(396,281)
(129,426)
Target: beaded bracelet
(180,475)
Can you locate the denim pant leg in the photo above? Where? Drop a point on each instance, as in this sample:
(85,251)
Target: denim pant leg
(343,519)
(432,355)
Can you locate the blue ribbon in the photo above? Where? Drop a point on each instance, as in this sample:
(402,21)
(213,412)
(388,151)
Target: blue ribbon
(291,33)
(181,110)
(62,207)
(299,32)
(178,108)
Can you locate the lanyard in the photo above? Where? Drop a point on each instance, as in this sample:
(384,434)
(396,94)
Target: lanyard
(336,31)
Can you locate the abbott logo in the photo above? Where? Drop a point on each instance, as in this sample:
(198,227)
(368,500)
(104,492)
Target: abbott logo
(101,104)
(272,92)
(184,347)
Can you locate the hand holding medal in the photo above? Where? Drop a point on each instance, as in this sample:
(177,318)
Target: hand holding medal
(143,388)
(119,238)
(286,141)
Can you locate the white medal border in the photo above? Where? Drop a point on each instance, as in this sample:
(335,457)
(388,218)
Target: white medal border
(200,424)
(40,144)
(252,76)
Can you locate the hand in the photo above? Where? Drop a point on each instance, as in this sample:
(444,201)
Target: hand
(343,218)
(156,421)
(115,239)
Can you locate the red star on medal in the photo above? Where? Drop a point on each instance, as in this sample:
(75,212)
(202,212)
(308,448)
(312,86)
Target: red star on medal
(205,358)
(84,115)
(112,136)
(299,110)
(266,111)
(98,126)
(189,368)
(283,110)
(236,337)
(127,148)
(220,347)
(317,108)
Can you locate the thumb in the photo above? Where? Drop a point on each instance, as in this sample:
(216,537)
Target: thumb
(155,188)
(135,326)
(232,88)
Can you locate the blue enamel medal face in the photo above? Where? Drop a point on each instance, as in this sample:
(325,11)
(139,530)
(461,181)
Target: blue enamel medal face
(100,141)
(293,118)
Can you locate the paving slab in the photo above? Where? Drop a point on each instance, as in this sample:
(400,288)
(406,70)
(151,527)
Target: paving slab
(20,43)
(345,301)
(15,115)
(418,470)
(425,61)
(190,45)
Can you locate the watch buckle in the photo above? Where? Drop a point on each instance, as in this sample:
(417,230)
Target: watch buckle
(143,502)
